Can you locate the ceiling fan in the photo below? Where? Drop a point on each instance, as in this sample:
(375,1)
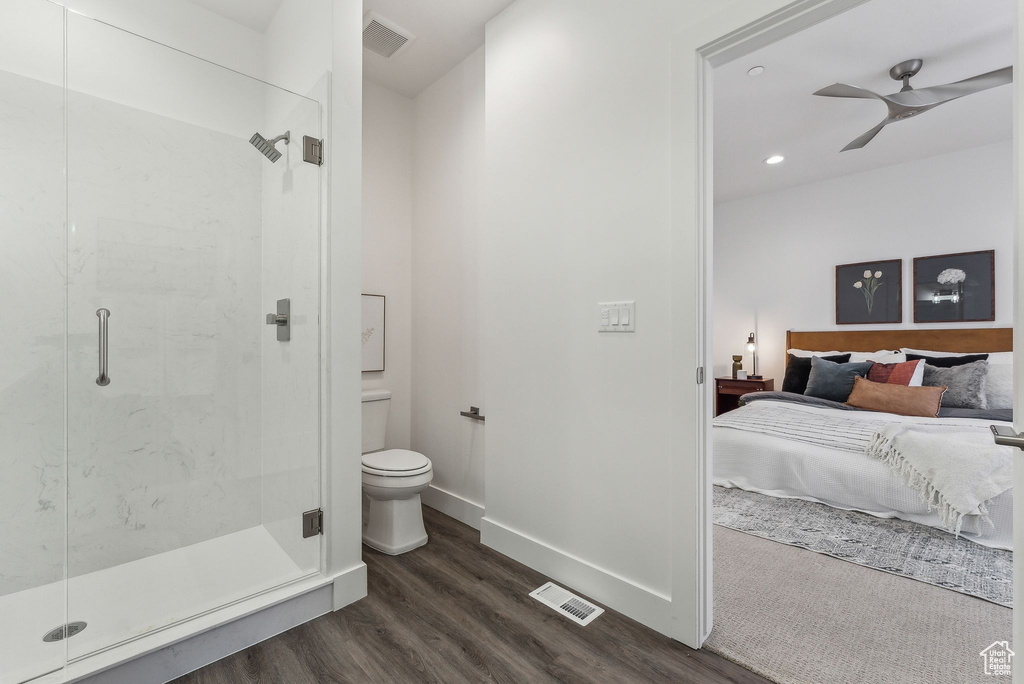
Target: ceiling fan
(908,103)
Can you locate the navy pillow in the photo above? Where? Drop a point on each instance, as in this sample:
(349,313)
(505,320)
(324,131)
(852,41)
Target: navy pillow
(798,369)
(948,361)
(834,381)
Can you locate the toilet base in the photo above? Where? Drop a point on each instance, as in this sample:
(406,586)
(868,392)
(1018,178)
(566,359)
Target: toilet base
(395,526)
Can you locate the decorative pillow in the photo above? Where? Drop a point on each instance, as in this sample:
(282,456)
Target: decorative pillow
(999,385)
(880,356)
(798,369)
(833,381)
(966,384)
(909,373)
(883,356)
(948,361)
(899,399)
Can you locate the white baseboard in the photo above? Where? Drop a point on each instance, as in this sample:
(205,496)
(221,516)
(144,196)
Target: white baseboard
(618,593)
(279,613)
(453,506)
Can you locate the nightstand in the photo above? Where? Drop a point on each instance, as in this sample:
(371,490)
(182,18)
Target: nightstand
(728,391)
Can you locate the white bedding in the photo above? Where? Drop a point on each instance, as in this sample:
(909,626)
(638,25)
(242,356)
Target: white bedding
(841,478)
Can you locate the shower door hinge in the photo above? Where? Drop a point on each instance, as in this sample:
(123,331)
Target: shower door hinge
(312,150)
(312,523)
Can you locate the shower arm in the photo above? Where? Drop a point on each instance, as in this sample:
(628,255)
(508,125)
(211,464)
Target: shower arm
(286,136)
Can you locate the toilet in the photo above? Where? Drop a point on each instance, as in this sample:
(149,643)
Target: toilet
(392,482)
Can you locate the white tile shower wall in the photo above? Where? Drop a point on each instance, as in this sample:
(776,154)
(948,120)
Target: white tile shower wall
(32,473)
(291,370)
(168,454)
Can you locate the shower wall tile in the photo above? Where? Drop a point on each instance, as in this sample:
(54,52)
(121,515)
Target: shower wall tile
(291,399)
(165,232)
(32,464)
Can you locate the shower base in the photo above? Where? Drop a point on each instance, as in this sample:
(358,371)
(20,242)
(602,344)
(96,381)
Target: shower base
(127,601)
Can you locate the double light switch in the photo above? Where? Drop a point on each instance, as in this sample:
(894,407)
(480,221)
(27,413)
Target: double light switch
(616,317)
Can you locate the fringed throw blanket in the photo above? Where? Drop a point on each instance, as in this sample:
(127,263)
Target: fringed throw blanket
(956,469)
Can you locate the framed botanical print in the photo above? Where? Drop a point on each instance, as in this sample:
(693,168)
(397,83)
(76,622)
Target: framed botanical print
(869,292)
(955,287)
(373,333)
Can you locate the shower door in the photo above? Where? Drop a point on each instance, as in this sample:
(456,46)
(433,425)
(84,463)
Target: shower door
(192,420)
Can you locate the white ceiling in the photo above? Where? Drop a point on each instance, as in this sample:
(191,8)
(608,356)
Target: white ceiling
(775,113)
(256,14)
(447,31)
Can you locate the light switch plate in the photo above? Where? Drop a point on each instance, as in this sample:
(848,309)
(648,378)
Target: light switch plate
(616,316)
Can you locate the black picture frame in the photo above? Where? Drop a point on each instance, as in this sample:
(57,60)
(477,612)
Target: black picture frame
(950,299)
(864,298)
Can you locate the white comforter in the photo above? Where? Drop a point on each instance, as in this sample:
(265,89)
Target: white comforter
(801,461)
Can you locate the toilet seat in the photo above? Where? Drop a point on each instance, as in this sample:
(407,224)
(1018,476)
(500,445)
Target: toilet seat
(395,463)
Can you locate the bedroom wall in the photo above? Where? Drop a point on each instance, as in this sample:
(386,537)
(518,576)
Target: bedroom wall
(775,254)
(387,244)
(447,210)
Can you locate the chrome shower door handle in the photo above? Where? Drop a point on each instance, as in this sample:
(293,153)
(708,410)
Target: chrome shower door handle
(103,379)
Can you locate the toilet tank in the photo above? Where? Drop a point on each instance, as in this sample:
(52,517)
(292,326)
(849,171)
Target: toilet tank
(375,419)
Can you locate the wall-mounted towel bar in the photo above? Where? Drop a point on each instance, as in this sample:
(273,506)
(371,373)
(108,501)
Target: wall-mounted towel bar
(474,413)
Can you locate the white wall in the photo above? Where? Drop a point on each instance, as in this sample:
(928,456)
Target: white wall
(387,244)
(448,221)
(775,254)
(578,210)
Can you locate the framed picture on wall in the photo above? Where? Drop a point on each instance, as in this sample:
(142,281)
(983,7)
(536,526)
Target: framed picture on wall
(955,287)
(373,333)
(869,292)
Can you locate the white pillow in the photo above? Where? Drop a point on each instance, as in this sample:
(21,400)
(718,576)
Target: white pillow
(803,353)
(999,386)
(880,356)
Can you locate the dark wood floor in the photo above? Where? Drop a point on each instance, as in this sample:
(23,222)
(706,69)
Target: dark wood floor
(457,611)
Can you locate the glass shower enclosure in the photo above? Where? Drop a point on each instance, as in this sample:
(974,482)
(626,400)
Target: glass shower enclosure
(160,383)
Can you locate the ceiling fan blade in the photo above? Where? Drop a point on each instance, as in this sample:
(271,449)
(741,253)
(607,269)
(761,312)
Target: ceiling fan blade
(866,138)
(845,90)
(936,95)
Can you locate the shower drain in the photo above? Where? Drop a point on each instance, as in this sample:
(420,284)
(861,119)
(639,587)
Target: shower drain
(59,633)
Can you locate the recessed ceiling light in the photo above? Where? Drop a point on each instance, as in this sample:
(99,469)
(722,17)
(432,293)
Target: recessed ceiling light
(774,159)
(755,71)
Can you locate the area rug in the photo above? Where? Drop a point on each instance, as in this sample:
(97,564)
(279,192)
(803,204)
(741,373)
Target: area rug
(895,546)
(797,617)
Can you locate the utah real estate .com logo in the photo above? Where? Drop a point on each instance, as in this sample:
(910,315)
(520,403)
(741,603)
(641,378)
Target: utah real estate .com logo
(998,659)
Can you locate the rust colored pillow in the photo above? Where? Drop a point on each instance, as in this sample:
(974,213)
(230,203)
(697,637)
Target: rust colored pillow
(898,399)
(909,373)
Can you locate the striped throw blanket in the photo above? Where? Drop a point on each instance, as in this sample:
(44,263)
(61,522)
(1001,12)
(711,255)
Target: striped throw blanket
(848,430)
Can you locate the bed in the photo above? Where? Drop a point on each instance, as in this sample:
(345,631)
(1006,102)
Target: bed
(838,472)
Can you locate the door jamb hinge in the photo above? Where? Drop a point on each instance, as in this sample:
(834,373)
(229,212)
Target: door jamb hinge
(700,375)
(312,523)
(312,150)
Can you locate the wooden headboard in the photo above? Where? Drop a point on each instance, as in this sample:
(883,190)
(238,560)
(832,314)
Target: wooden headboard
(950,340)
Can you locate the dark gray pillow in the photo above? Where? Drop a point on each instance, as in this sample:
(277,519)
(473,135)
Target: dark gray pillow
(834,381)
(966,384)
(798,369)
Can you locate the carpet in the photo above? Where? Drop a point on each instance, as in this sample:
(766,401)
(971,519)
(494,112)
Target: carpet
(797,617)
(888,544)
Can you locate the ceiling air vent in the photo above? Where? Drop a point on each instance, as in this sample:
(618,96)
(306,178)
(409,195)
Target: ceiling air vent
(384,37)
(566,603)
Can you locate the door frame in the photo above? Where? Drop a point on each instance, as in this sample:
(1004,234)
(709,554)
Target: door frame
(745,26)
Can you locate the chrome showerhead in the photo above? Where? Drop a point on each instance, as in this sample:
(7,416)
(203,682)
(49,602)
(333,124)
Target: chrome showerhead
(267,147)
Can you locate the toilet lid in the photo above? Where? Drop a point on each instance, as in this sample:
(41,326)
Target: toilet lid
(396,460)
